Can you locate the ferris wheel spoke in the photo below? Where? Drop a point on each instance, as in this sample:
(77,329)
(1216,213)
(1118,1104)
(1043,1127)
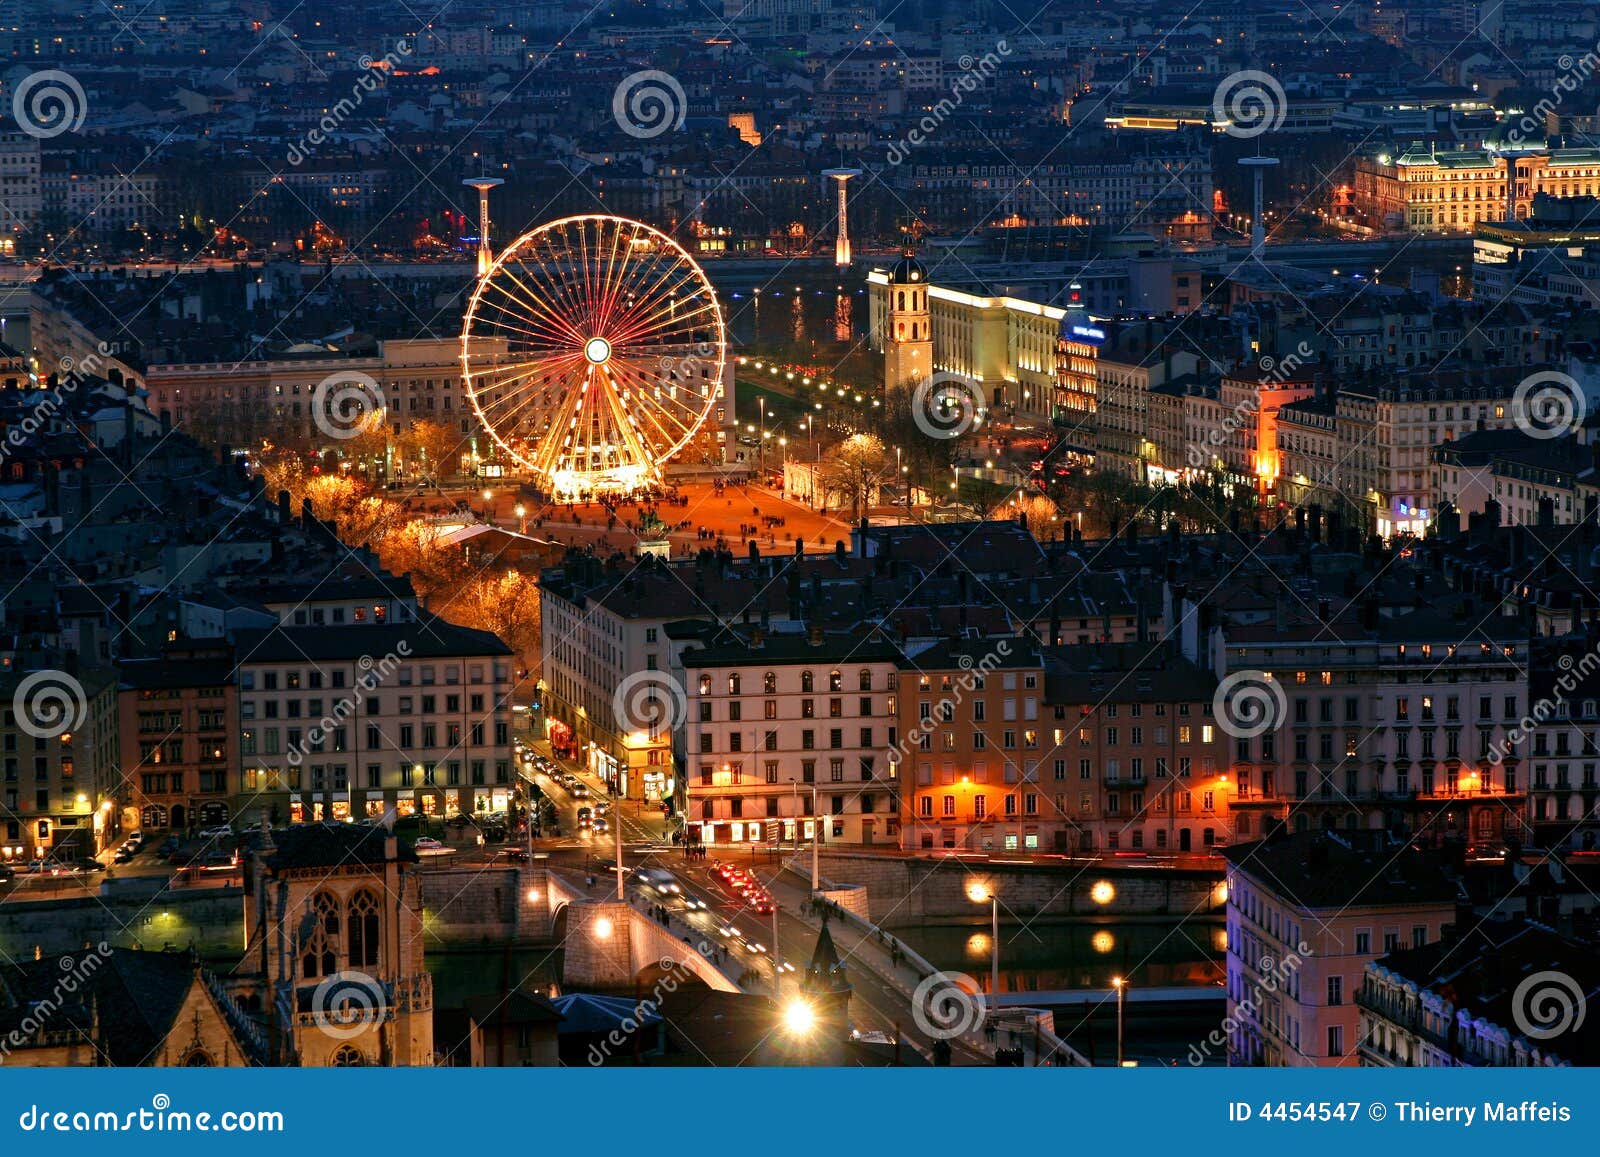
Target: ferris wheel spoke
(663,288)
(551,395)
(647,407)
(669,320)
(573,280)
(613,277)
(545,322)
(545,300)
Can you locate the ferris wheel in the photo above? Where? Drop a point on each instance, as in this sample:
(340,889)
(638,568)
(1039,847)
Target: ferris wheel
(592,352)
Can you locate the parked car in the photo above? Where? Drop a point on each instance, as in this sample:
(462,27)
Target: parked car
(426,844)
(221,832)
(7,873)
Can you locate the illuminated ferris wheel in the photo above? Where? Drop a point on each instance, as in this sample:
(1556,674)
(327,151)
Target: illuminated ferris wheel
(592,352)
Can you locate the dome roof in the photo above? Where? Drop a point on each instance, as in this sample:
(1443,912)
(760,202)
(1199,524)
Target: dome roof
(907,271)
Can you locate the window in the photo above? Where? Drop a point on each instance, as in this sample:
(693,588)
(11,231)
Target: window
(1335,990)
(364,935)
(1336,1040)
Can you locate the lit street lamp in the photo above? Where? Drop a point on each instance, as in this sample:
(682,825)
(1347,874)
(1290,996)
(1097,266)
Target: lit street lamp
(978,892)
(1121,986)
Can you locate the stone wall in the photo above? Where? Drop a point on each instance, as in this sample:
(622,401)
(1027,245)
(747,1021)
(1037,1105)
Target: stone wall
(904,891)
(467,905)
(127,913)
(597,951)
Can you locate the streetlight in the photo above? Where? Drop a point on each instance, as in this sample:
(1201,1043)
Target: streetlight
(1121,986)
(799,1017)
(762,402)
(978,892)
(522,513)
(488,496)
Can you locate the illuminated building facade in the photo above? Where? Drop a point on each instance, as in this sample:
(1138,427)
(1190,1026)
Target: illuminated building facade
(1424,190)
(1007,345)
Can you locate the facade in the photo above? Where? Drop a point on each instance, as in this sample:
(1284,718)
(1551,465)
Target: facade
(1007,345)
(61,787)
(1450,1005)
(178,721)
(361,721)
(1306,915)
(784,731)
(1425,190)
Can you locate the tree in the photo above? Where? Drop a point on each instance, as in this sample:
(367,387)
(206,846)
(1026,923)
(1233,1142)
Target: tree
(505,603)
(432,449)
(855,469)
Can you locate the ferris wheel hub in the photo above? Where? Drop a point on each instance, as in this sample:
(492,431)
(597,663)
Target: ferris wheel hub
(597,350)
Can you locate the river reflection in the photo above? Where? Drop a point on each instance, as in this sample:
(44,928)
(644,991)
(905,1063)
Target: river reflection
(1080,955)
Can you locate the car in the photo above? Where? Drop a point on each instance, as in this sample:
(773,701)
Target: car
(459,820)
(761,907)
(123,855)
(579,791)
(426,844)
(601,827)
(585,813)
(602,808)
(515,855)
(694,904)
(7,873)
(221,832)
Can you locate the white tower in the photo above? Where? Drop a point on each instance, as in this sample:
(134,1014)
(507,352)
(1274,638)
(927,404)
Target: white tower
(841,247)
(1258,230)
(483,185)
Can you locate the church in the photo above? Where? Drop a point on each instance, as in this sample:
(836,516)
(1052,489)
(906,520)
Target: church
(332,973)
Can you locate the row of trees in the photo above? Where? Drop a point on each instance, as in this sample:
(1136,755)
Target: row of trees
(483,593)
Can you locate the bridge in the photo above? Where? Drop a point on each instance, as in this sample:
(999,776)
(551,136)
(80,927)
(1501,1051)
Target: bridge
(611,944)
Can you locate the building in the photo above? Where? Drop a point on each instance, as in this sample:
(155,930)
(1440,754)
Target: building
(332,975)
(1463,1002)
(1006,345)
(62,781)
(364,720)
(178,721)
(1306,915)
(786,730)
(1423,189)
(21,189)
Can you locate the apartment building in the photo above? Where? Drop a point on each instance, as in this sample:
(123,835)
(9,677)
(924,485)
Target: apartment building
(785,731)
(356,721)
(1306,915)
(178,723)
(61,783)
